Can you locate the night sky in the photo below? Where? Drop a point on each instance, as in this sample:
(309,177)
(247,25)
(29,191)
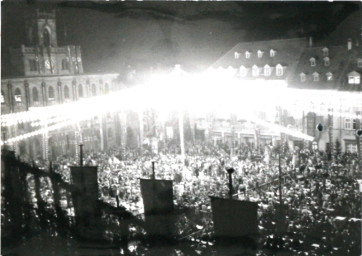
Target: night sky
(114,35)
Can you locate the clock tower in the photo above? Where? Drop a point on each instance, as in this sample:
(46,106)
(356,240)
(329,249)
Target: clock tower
(41,55)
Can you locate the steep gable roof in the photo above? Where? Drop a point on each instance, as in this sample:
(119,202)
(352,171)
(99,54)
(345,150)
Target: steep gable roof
(287,53)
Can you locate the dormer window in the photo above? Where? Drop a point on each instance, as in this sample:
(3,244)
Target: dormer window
(237,55)
(267,70)
(326,61)
(272,53)
(312,62)
(260,54)
(302,77)
(315,77)
(243,71)
(255,70)
(247,54)
(279,70)
(325,52)
(329,76)
(359,63)
(354,78)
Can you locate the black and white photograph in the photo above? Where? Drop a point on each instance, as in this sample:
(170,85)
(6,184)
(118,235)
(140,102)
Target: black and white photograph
(181,128)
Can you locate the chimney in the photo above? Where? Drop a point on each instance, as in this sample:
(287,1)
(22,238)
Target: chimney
(310,41)
(349,44)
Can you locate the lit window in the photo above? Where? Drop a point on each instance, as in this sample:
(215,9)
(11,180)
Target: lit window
(347,124)
(237,55)
(354,78)
(260,54)
(312,62)
(359,63)
(247,54)
(315,77)
(272,53)
(267,70)
(17,95)
(2,97)
(325,51)
(279,70)
(51,95)
(329,76)
(255,70)
(302,77)
(326,61)
(243,71)
(351,148)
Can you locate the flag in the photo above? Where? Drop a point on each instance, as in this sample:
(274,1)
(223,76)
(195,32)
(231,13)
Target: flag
(158,205)
(234,218)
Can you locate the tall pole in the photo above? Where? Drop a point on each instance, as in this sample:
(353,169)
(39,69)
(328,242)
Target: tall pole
(181,128)
(153,170)
(81,155)
(280,178)
(230,172)
(140,116)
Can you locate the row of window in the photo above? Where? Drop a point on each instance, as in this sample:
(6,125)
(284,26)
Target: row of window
(353,77)
(326,60)
(33,65)
(256,71)
(51,93)
(316,77)
(351,124)
(259,53)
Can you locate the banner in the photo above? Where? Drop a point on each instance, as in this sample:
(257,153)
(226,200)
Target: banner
(233,218)
(85,195)
(158,206)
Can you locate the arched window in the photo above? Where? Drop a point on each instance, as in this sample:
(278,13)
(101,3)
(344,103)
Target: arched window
(325,51)
(315,77)
(329,76)
(302,77)
(279,70)
(94,90)
(46,37)
(260,54)
(35,94)
(247,54)
(237,55)
(243,71)
(106,88)
(17,95)
(2,97)
(272,53)
(66,92)
(267,70)
(312,62)
(51,95)
(326,61)
(80,91)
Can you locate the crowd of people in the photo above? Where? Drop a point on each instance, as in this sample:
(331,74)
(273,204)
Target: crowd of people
(320,193)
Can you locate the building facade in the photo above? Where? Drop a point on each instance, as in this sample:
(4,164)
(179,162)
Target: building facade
(46,74)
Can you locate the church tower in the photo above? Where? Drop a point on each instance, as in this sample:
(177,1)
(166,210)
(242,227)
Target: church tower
(41,55)
(40,29)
